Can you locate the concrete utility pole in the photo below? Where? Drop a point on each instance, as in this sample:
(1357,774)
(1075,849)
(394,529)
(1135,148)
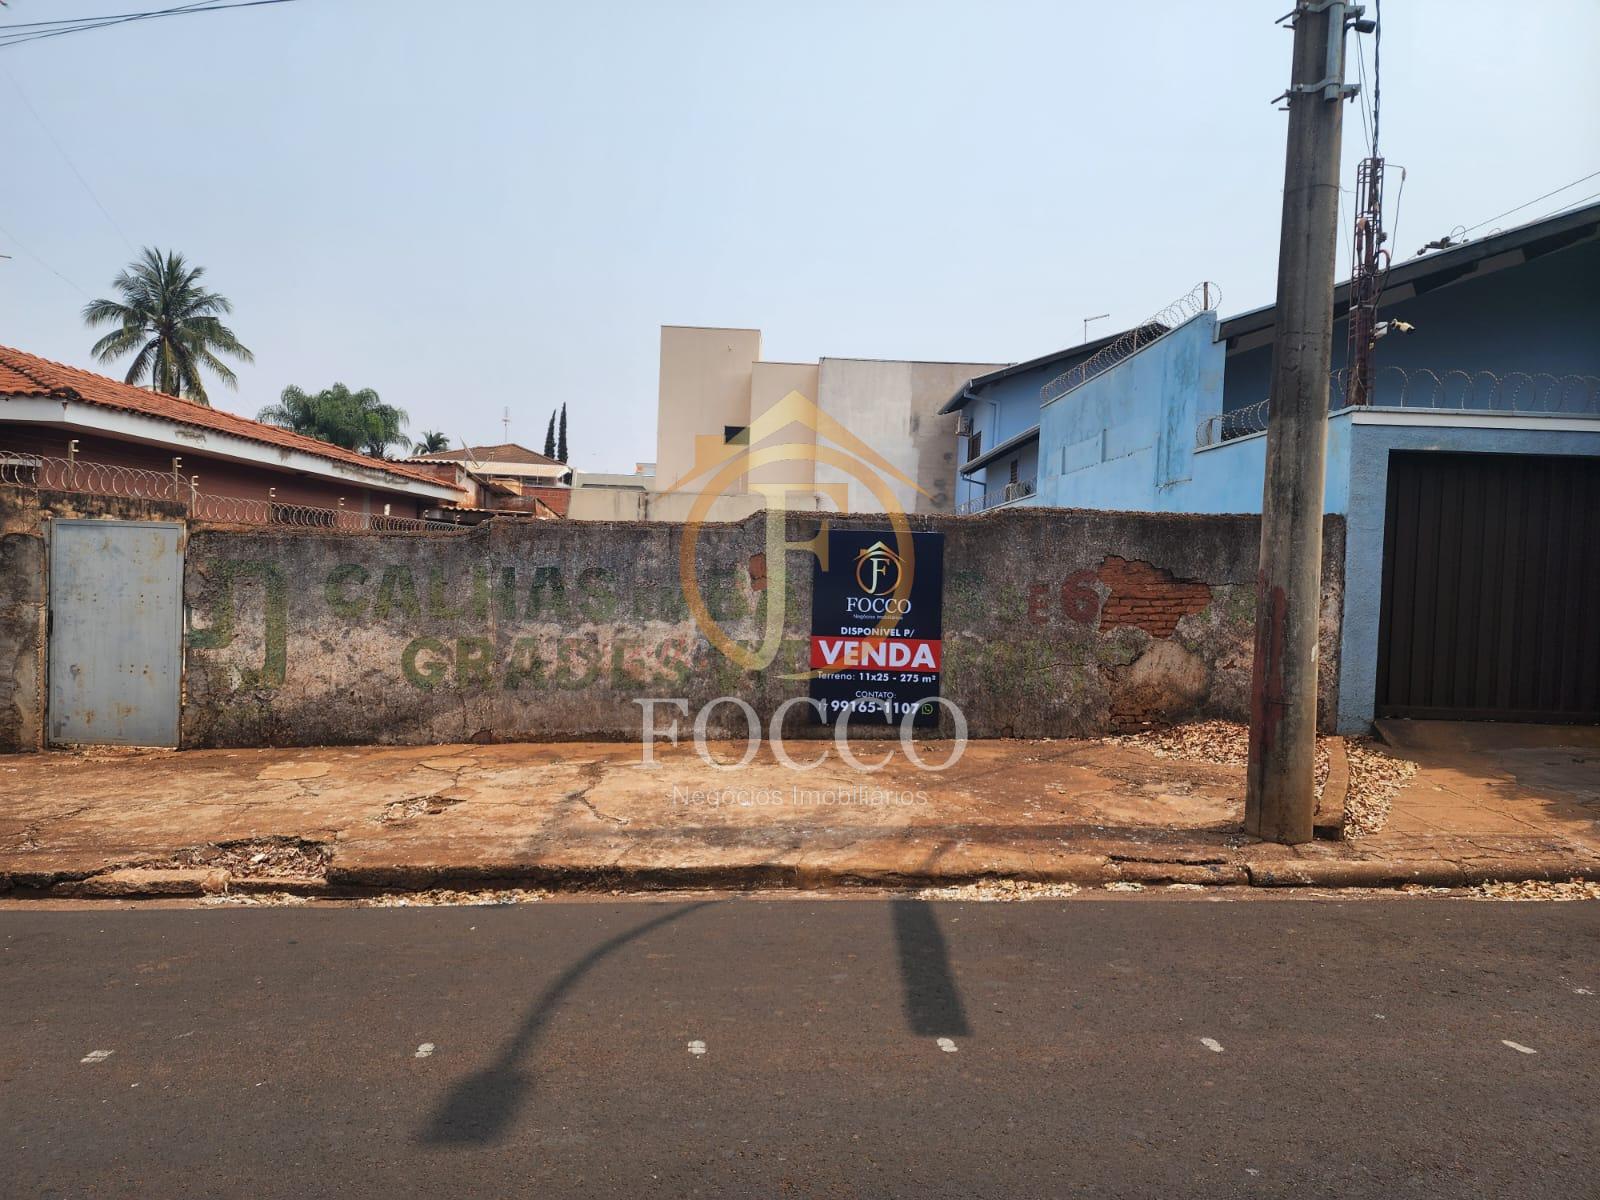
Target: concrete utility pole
(1283,710)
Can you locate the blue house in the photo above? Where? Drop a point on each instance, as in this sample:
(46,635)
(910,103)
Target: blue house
(1469,483)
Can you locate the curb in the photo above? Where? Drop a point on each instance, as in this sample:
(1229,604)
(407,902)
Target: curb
(1083,870)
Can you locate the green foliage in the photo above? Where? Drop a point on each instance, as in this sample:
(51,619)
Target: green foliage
(431,442)
(169,323)
(550,438)
(354,420)
(561,437)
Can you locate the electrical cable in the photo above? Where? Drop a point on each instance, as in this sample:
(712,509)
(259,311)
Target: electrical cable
(67,158)
(38,30)
(1534,201)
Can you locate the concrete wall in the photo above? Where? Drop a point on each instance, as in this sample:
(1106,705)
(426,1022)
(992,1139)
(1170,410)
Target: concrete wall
(894,408)
(1000,411)
(631,504)
(1056,624)
(1125,439)
(704,386)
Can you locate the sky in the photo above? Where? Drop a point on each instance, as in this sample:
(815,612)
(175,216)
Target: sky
(481,206)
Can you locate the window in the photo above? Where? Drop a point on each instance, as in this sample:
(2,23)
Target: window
(975,445)
(736,435)
(1013,478)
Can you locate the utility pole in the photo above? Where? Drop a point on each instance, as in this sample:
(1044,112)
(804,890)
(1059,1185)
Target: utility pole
(1283,685)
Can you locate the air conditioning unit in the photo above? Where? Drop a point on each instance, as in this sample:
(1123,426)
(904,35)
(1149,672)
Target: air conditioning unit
(1016,491)
(963,425)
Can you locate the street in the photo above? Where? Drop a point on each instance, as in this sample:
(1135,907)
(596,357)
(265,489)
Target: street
(1120,1047)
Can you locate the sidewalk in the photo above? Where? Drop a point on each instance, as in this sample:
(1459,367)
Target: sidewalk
(585,815)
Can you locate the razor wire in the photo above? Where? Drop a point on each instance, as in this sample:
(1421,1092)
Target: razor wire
(1201,298)
(1531,393)
(41,473)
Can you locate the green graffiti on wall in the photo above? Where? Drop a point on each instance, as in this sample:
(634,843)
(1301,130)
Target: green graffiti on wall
(219,633)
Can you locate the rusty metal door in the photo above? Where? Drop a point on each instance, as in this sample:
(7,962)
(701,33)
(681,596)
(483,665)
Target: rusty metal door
(1490,578)
(116,629)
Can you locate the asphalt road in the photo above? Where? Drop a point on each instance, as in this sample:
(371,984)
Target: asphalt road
(1103,1048)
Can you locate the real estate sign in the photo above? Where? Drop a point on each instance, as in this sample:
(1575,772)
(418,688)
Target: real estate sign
(876,625)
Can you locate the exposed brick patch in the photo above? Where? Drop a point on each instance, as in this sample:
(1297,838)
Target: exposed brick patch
(1147,597)
(758,571)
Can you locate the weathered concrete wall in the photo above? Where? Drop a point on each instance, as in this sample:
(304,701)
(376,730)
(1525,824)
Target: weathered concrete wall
(1057,623)
(25,517)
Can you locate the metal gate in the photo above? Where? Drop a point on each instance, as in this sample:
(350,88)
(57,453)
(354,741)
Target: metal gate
(1491,588)
(116,629)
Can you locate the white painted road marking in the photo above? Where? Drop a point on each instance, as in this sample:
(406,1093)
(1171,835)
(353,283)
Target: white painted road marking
(97,1056)
(423,1050)
(948,1046)
(1518,1046)
(697,1047)
(1212,1045)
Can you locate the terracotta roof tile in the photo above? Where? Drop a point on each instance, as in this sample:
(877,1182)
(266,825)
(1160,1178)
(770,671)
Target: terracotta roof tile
(27,375)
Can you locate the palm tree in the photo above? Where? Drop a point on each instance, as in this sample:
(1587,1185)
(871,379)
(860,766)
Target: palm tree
(354,420)
(169,323)
(431,442)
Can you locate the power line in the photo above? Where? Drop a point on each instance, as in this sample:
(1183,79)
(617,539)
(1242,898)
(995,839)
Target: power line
(1532,202)
(29,252)
(1377,67)
(67,158)
(1574,204)
(34,31)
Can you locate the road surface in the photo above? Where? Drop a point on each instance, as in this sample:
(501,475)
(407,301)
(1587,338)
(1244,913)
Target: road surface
(838,1048)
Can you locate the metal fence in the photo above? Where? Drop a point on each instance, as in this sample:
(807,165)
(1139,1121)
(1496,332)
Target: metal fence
(39,473)
(1200,298)
(1534,394)
(1009,493)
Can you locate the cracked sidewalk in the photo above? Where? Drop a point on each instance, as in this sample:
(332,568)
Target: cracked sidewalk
(586,815)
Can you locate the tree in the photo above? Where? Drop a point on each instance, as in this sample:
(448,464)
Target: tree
(550,438)
(561,437)
(169,323)
(354,420)
(431,442)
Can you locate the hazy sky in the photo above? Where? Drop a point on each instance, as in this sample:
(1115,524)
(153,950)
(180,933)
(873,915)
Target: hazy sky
(476,205)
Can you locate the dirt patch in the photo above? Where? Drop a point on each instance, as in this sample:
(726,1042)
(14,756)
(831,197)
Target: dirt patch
(1375,777)
(258,858)
(1375,774)
(1004,890)
(1572,889)
(399,811)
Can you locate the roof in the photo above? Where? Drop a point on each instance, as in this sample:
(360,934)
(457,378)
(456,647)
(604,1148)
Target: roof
(28,375)
(1001,449)
(959,400)
(507,452)
(1446,266)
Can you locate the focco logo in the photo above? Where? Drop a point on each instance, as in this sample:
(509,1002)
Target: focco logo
(780,461)
(878,569)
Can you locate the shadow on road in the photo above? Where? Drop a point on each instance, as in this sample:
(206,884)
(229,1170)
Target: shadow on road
(480,1107)
(932,1000)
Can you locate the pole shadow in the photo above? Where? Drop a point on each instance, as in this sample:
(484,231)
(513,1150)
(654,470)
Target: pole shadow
(480,1106)
(932,1000)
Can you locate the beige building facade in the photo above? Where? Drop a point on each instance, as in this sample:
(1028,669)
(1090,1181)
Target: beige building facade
(715,388)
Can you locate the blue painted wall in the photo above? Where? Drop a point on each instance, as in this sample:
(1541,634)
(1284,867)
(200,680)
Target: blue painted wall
(1125,439)
(1542,317)
(1001,411)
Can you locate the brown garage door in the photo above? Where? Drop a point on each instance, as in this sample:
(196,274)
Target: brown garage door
(1491,588)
